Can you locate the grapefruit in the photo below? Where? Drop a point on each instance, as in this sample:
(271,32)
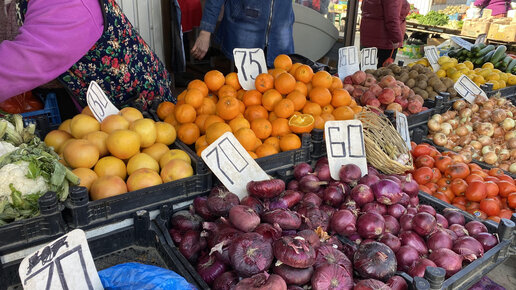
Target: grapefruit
(147,131)
(56,138)
(107,186)
(174,154)
(123,143)
(65,126)
(142,178)
(80,153)
(166,133)
(86,176)
(141,160)
(114,122)
(83,124)
(131,114)
(110,165)
(98,138)
(176,169)
(156,150)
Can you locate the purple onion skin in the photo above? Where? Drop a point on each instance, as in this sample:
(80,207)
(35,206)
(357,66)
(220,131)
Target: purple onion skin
(393,178)
(294,276)
(487,240)
(411,210)
(286,219)
(386,191)
(309,183)
(295,287)
(201,208)
(410,186)
(329,255)
(312,198)
(454,216)
(418,270)
(426,208)
(369,284)
(406,222)
(321,161)
(210,268)
(185,221)
(459,230)
(396,210)
(368,180)
(343,222)
(355,238)
(372,171)
(293,185)
(176,235)
(301,170)
(414,201)
(391,225)
(439,239)
(404,200)
(412,239)
(262,281)
(391,241)
(423,223)
(406,257)
(253,203)
(311,237)
(323,172)
(333,196)
(441,221)
(374,260)
(397,283)
(328,209)
(220,201)
(362,194)
(294,251)
(469,248)
(244,218)
(225,281)
(375,207)
(370,225)
(475,227)
(269,232)
(250,254)
(331,276)
(350,174)
(448,260)
(452,234)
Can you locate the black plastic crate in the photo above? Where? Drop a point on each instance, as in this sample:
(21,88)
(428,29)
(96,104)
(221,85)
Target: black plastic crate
(80,212)
(142,242)
(507,92)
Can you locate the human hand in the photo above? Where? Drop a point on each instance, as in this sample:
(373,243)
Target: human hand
(201,45)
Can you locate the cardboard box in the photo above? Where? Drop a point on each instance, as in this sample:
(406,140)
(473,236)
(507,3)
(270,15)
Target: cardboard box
(475,27)
(435,41)
(503,32)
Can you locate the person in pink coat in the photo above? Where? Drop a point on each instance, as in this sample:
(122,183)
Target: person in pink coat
(499,7)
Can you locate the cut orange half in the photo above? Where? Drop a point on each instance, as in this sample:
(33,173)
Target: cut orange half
(301,123)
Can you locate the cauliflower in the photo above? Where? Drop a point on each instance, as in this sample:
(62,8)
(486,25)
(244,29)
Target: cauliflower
(16,174)
(6,147)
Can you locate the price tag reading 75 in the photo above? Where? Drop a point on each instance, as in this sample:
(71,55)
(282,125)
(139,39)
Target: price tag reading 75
(345,145)
(250,62)
(232,165)
(348,61)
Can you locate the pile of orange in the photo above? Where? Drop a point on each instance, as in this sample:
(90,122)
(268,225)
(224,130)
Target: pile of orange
(124,152)
(288,100)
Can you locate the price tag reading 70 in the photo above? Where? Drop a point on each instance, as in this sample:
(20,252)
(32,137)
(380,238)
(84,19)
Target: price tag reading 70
(232,165)
(345,145)
(348,61)
(250,62)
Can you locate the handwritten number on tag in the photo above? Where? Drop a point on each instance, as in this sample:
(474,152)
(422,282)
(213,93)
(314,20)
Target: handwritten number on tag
(237,160)
(338,149)
(353,132)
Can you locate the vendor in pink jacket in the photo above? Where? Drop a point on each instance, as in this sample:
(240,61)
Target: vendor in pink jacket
(499,7)
(383,26)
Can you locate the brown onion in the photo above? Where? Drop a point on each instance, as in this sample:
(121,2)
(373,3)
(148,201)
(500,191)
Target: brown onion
(459,105)
(440,139)
(490,158)
(475,108)
(465,113)
(434,125)
(462,131)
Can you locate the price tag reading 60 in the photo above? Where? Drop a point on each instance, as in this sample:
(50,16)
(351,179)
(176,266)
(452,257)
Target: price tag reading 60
(345,145)
(232,165)
(250,62)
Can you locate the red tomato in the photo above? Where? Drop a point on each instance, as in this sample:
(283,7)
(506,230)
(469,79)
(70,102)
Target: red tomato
(460,206)
(442,162)
(480,173)
(458,186)
(436,175)
(473,177)
(441,196)
(424,160)
(506,178)
(511,200)
(505,213)
(478,213)
(473,166)
(490,206)
(443,182)
(460,200)
(506,188)
(421,149)
(476,191)
(495,172)
(496,219)
(423,175)
(432,186)
(424,189)
(457,170)
(471,205)
(492,189)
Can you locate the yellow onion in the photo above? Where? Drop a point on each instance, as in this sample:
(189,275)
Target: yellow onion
(510,135)
(512,168)
(446,128)
(438,118)
(462,131)
(440,139)
(485,140)
(476,145)
(490,158)
(465,113)
(434,125)
(508,124)
(504,154)
(487,149)
(475,108)
(459,105)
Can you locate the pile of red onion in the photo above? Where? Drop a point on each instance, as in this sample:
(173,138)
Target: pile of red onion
(284,235)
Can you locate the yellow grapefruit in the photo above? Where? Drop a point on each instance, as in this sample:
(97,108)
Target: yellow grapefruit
(176,169)
(141,160)
(110,165)
(123,143)
(147,131)
(107,186)
(142,178)
(80,153)
(86,176)
(174,154)
(83,124)
(156,150)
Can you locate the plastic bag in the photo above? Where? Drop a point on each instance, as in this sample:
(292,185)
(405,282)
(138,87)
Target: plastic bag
(140,276)
(486,284)
(25,102)
(473,12)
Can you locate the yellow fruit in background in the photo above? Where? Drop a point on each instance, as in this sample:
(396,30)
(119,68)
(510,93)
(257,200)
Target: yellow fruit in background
(443,59)
(141,160)
(441,73)
(165,133)
(450,71)
(469,64)
(86,176)
(215,130)
(502,84)
(65,126)
(447,65)
(147,131)
(82,124)
(131,114)
(479,79)
(464,70)
(504,76)
(423,61)
(110,165)
(496,71)
(454,61)
(485,72)
(114,122)
(411,64)
(56,138)
(174,154)
(477,70)
(455,76)
(80,153)
(176,169)
(496,85)
(460,66)
(156,150)
(123,143)
(488,65)
(143,178)
(511,81)
(107,186)
(492,77)
(99,139)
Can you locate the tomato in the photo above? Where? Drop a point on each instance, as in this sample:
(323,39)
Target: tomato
(442,162)
(432,186)
(421,149)
(460,206)
(457,170)
(458,186)
(511,200)
(436,175)
(495,172)
(473,177)
(460,200)
(476,191)
(506,188)
(472,205)
(473,166)
(443,182)
(492,189)
(424,160)
(441,196)
(503,202)
(491,178)
(447,191)
(478,213)
(496,219)
(506,178)
(480,173)
(423,175)
(505,213)
(434,152)
(490,206)
(413,144)
(425,189)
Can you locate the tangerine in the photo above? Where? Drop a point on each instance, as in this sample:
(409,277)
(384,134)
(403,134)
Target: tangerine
(246,137)
(252,97)
(264,82)
(290,142)
(318,122)
(185,113)
(200,122)
(188,133)
(284,83)
(301,87)
(200,85)
(340,97)
(280,127)
(284,108)
(232,80)
(304,73)
(262,128)
(228,108)
(320,95)
(276,72)
(201,142)
(164,109)
(336,83)
(283,61)
(226,91)
(265,150)
(270,98)
(214,80)
(312,109)
(212,119)
(194,97)
(274,141)
(294,67)
(343,113)
(322,79)
(327,109)
(239,123)
(215,130)
(298,99)
(303,123)
(255,112)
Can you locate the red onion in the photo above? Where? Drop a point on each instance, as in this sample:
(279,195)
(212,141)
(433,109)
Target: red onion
(225,281)
(386,191)
(368,180)
(372,171)
(448,260)
(262,281)
(286,219)
(313,217)
(321,161)
(391,241)
(333,196)
(396,210)
(185,221)
(293,275)
(244,218)
(268,232)
(406,222)
(331,276)
(374,260)
(323,172)
(487,240)
(439,239)
(266,188)
(220,201)
(295,287)
(190,246)
(475,227)
(349,249)
(469,248)
(397,283)
(310,183)
(253,203)
(176,235)
(423,223)
(210,268)
(200,205)
(370,225)
(311,237)
(459,230)
(426,208)
(391,178)
(419,268)
(441,220)
(312,198)
(412,239)
(405,199)
(330,255)
(250,254)
(343,222)
(371,284)
(406,257)
(414,201)
(412,210)
(301,170)
(410,186)
(375,207)
(288,233)
(287,200)
(293,185)
(328,209)
(350,174)
(362,194)
(391,225)
(454,216)
(294,251)
(452,234)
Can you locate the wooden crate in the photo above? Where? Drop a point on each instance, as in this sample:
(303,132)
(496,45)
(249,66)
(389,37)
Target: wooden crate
(503,32)
(474,28)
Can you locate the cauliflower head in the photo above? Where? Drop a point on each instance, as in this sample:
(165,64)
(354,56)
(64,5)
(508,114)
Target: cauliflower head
(16,173)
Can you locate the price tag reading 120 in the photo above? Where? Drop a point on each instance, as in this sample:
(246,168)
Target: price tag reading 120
(232,165)
(369,59)
(402,128)
(250,62)
(432,56)
(345,145)
(99,103)
(348,61)
(468,89)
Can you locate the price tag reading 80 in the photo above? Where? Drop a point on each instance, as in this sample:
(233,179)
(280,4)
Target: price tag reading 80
(345,145)
(348,61)
(369,59)
(99,103)
(468,89)
(402,127)
(250,62)
(232,165)
(432,56)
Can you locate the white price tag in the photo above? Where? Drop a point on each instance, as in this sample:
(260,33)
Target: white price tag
(349,61)
(402,127)
(232,165)
(481,38)
(463,43)
(345,145)
(250,62)
(432,56)
(99,103)
(369,58)
(65,263)
(468,89)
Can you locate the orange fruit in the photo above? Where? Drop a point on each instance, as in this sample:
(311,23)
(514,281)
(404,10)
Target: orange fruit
(308,88)
(194,97)
(304,73)
(131,114)
(200,85)
(327,117)
(56,138)
(280,127)
(272,117)
(110,165)
(298,99)
(185,113)
(164,109)
(107,186)
(255,112)
(252,154)
(124,143)
(86,176)
(327,109)
(240,94)
(336,83)
(181,97)
(200,122)
(141,160)
(165,133)
(65,126)
(353,103)
(265,150)
(357,109)
(146,128)
(246,137)
(258,142)
(284,83)
(211,119)
(312,109)
(114,122)
(264,82)
(301,87)
(200,150)
(322,79)
(290,142)
(320,95)
(208,107)
(262,128)
(83,124)
(303,123)
(270,98)
(188,133)
(276,72)
(283,61)
(156,151)
(340,97)
(214,80)
(143,178)
(171,119)
(284,108)
(232,80)
(274,141)
(87,111)
(318,122)
(238,123)
(97,138)
(215,130)
(80,153)
(252,97)
(294,67)
(201,142)
(226,91)
(343,113)
(176,169)
(241,107)
(228,108)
